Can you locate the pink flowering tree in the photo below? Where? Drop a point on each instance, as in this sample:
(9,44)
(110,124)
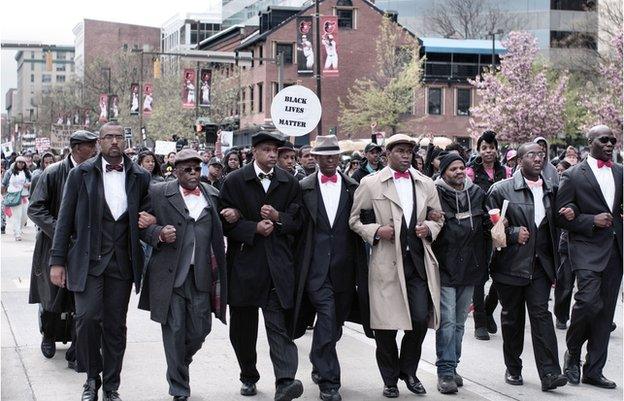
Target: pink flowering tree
(516,100)
(603,98)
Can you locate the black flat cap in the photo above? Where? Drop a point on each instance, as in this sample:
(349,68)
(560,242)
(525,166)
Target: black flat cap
(286,146)
(264,136)
(372,145)
(82,136)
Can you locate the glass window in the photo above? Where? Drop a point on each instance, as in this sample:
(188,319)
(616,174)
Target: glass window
(260,99)
(345,18)
(243,100)
(46,78)
(60,67)
(60,55)
(574,40)
(463,101)
(434,103)
(251,99)
(32,54)
(32,77)
(573,5)
(32,66)
(287,49)
(60,78)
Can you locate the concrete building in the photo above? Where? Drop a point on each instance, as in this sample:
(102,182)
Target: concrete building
(98,39)
(245,12)
(566,30)
(39,68)
(184,31)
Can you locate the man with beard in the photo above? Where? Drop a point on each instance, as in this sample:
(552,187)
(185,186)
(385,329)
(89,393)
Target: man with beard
(524,271)
(593,189)
(372,152)
(43,210)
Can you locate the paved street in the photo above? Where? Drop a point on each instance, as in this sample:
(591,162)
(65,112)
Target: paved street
(27,375)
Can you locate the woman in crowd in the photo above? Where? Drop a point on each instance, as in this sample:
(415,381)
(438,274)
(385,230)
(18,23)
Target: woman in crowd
(233,161)
(148,160)
(15,189)
(167,168)
(418,162)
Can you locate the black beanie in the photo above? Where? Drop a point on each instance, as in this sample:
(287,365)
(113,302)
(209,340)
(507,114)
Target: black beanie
(447,159)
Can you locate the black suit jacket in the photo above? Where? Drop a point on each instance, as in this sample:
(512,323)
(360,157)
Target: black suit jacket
(589,247)
(255,263)
(169,209)
(77,236)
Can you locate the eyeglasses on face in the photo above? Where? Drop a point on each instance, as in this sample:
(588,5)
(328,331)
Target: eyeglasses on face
(532,155)
(189,170)
(606,139)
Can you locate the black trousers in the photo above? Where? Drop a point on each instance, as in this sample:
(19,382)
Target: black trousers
(101,311)
(244,335)
(393,366)
(563,289)
(188,324)
(515,300)
(593,311)
(331,311)
(484,306)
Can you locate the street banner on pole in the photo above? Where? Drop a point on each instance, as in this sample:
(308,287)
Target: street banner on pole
(103,108)
(134,99)
(295,110)
(204,90)
(114,111)
(329,40)
(188,88)
(148,98)
(305,49)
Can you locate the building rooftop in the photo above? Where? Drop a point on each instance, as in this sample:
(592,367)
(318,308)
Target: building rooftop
(467,46)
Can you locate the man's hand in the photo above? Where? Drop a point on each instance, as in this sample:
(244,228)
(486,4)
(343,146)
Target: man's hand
(435,215)
(422,231)
(268,212)
(57,275)
(603,220)
(264,227)
(523,235)
(168,234)
(386,232)
(146,220)
(567,213)
(230,215)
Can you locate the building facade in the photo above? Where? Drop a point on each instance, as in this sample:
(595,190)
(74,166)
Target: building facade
(245,12)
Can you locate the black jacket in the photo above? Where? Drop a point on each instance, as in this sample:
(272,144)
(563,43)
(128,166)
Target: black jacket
(518,260)
(481,177)
(256,263)
(361,172)
(589,247)
(461,247)
(77,236)
(43,210)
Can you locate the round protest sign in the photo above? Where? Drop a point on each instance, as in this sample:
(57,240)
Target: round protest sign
(295,110)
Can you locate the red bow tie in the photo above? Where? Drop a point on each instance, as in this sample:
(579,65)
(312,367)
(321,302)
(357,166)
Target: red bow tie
(534,184)
(332,178)
(188,192)
(602,164)
(114,167)
(404,174)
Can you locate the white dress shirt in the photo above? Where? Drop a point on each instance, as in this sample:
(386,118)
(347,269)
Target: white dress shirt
(265,181)
(330,191)
(73,161)
(538,203)
(605,179)
(406,196)
(195,205)
(115,190)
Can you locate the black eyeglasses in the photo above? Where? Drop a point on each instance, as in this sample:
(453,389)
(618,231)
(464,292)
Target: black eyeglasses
(189,170)
(607,139)
(532,155)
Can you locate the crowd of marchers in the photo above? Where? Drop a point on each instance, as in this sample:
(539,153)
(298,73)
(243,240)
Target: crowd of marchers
(403,238)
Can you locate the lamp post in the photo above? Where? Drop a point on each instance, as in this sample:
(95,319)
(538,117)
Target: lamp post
(493,35)
(108,94)
(317,62)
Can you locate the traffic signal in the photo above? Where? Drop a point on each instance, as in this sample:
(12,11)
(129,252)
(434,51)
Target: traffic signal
(211,133)
(157,68)
(48,61)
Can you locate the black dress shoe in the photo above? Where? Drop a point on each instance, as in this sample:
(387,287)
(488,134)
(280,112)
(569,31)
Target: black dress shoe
(391,392)
(111,396)
(48,347)
(447,385)
(492,328)
(572,368)
(248,389)
(458,379)
(90,389)
(180,398)
(514,380)
(561,325)
(289,391)
(613,326)
(316,378)
(330,395)
(481,333)
(414,385)
(551,381)
(601,382)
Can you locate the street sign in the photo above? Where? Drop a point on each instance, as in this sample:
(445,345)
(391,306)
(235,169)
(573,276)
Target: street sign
(295,110)
(127,133)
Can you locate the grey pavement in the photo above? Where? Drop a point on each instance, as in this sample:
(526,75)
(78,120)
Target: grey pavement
(28,376)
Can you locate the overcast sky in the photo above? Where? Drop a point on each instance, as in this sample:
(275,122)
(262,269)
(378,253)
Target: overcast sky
(51,22)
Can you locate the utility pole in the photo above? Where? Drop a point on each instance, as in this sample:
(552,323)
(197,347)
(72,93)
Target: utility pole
(317,61)
(108,94)
(493,35)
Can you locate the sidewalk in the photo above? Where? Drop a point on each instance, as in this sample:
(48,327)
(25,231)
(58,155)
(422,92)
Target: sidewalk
(28,376)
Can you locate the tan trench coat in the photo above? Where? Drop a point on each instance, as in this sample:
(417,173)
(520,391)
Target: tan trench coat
(389,306)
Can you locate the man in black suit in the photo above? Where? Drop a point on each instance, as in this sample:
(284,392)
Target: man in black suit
(180,284)
(96,253)
(261,271)
(327,262)
(43,210)
(593,189)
